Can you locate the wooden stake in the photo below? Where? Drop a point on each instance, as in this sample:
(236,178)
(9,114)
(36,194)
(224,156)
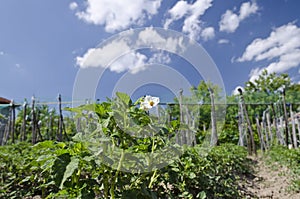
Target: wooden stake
(264,127)
(293,127)
(298,126)
(51,121)
(182,137)
(6,131)
(59,133)
(241,125)
(253,148)
(24,121)
(286,120)
(37,126)
(275,122)
(264,135)
(60,121)
(33,121)
(13,112)
(214,134)
(262,144)
(269,127)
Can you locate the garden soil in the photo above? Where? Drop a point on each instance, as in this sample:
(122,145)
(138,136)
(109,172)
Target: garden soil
(268,181)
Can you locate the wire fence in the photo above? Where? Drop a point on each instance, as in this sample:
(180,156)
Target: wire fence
(41,120)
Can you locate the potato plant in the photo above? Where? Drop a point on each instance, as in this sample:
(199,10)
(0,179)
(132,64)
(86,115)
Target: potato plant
(94,163)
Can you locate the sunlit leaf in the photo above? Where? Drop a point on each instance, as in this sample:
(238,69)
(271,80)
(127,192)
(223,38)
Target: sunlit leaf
(72,166)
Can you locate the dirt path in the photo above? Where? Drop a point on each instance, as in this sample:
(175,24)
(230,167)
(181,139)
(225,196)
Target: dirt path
(268,181)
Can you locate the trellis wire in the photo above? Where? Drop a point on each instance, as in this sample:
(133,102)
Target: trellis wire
(265,128)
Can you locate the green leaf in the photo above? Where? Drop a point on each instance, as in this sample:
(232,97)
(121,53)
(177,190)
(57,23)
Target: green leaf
(59,167)
(78,137)
(75,110)
(192,175)
(72,166)
(201,195)
(105,122)
(123,97)
(138,101)
(44,144)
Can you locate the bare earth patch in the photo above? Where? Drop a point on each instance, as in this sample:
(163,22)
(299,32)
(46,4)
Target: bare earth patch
(268,181)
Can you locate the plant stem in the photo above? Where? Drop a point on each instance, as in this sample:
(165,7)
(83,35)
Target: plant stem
(152,179)
(112,189)
(150,162)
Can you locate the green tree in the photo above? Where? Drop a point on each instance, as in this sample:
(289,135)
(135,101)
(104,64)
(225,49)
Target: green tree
(293,96)
(230,131)
(265,91)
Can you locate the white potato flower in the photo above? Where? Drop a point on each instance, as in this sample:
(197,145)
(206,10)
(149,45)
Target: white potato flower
(149,102)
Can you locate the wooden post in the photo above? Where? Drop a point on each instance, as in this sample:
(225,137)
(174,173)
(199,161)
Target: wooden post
(293,127)
(278,133)
(13,113)
(187,123)
(6,131)
(269,127)
(286,120)
(214,135)
(190,121)
(298,126)
(194,127)
(281,130)
(264,135)
(60,121)
(262,144)
(253,148)
(51,121)
(38,125)
(182,132)
(264,129)
(169,116)
(241,125)
(48,135)
(33,121)
(180,105)
(24,121)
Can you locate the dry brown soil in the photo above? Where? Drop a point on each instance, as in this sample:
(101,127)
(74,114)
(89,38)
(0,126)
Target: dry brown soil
(269,181)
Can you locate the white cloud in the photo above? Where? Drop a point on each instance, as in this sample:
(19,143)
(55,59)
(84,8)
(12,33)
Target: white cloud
(150,37)
(281,48)
(160,58)
(191,14)
(2,53)
(223,41)
(120,54)
(118,14)
(208,33)
(101,57)
(282,40)
(247,9)
(230,21)
(254,74)
(109,56)
(178,11)
(73,6)
(133,61)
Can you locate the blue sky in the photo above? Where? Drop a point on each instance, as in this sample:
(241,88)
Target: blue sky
(43,44)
